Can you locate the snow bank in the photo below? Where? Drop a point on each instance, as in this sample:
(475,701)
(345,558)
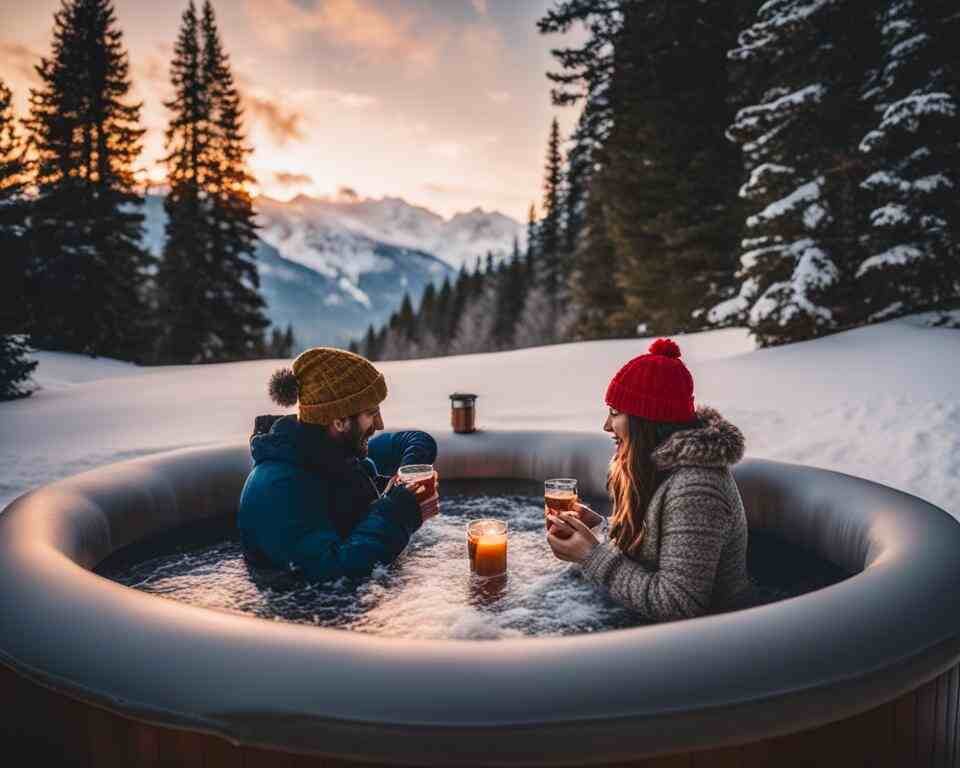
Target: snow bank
(879,402)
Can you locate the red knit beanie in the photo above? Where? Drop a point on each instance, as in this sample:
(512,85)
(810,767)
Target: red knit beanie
(655,386)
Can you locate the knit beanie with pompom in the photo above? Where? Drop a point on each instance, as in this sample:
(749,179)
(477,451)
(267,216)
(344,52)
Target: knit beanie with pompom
(328,384)
(656,386)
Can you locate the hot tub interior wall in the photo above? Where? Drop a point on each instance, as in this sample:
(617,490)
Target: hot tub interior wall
(47,721)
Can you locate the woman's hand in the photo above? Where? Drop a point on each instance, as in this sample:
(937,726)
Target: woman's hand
(582,511)
(569,538)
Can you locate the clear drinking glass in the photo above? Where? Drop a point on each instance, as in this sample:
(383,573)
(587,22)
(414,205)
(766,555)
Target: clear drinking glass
(412,474)
(560,495)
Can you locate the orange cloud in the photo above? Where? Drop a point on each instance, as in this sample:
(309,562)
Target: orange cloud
(283,124)
(356,23)
(292,179)
(20,59)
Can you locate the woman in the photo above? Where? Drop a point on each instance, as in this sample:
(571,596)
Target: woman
(678,532)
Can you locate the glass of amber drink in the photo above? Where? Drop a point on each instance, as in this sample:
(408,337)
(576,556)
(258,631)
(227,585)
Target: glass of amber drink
(417,474)
(559,496)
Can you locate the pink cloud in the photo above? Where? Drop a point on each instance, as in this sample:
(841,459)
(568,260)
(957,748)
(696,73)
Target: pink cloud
(356,23)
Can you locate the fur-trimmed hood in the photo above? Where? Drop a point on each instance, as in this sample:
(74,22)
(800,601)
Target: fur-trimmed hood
(718,443)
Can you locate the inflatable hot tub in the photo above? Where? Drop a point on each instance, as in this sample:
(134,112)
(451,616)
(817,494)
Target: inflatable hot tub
(863,672)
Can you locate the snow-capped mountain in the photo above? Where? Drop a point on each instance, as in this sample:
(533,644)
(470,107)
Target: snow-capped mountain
(323,233)
(329,282)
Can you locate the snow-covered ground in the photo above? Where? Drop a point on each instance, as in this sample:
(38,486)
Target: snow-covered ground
(880,402)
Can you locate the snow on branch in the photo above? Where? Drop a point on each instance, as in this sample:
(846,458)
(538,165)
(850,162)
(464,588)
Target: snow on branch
(762,175)
(907,113)
(890,215)
(892,257)
(776,17)
(805,194)
(814,271)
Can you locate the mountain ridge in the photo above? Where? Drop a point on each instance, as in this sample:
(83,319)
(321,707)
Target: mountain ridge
(331,274)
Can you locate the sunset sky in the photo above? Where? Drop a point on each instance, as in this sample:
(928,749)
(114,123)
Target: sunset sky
(442,102)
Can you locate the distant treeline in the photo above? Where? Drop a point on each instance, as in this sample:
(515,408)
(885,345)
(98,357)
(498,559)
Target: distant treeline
(75,274)
(791,166)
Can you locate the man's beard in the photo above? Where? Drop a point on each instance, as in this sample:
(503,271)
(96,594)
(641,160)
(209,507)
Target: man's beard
(356,439)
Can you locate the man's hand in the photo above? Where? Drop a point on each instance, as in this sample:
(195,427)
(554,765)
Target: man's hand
(428,506)
(569,537)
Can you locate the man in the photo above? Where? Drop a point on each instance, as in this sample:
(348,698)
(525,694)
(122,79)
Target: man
(320,499)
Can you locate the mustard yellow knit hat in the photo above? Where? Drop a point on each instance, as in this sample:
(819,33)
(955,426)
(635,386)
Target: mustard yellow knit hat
(329,384)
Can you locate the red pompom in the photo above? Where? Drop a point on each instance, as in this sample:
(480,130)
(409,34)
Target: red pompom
(665,347)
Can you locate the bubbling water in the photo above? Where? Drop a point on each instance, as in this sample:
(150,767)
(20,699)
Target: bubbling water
(428,592)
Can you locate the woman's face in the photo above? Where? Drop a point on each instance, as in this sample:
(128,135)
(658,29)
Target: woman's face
(617,425)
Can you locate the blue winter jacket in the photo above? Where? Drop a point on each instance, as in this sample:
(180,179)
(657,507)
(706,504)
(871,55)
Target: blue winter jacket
(310,507)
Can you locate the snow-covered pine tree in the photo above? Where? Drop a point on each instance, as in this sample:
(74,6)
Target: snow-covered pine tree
(475,324)
(88,267)
(803,64)
(15,367)
(912,243)
(239,317)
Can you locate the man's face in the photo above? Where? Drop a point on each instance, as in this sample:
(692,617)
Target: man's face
(362,427)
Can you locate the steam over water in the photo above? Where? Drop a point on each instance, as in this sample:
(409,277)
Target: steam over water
(427,593)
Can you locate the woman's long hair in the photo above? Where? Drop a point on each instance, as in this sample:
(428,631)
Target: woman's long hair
(633,478)
(631,482)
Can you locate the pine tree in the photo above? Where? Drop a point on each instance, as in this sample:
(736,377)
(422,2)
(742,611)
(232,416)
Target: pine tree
(15,368)
(586,73)
(208,276)
(509,299)
(475,324)
(443,316)
(598,308)
(88,268)
(426,321)
(803,68)
(369,345)
(240,319)
(275,348)
(912,245)
(181,277)
(533,244)
(669,176)
(406,322)
(462,290)
(550,257)
(13,221)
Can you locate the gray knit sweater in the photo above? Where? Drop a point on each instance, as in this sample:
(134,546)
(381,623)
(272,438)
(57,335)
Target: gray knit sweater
(692,558)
